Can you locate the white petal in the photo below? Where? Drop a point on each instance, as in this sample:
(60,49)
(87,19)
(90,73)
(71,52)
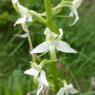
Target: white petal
(25,35)
(49,34)
(71,13)
(29,19)
(71,90)
(43,47)
(32,72)
(61,91)
(74,13)
(14,1)
(21,20)
(42,79)
(77,3)
(64,47)
(61,33)
(40,89)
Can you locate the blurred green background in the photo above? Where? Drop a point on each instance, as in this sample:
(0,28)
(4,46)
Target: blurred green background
(14,52)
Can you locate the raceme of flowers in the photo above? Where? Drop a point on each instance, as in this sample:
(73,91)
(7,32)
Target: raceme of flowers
(52,40)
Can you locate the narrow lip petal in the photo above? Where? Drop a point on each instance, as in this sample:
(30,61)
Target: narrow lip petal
(74,13)
(42,78)
(43,47)
(64,47)
(32,72)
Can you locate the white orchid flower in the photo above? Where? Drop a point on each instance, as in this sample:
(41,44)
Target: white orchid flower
(53,39)
(74,7)
(69,89)
(40,77)
(25,16)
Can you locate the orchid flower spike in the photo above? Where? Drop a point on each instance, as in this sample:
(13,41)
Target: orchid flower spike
(25,16)
(69,89)
(53,39)
(40,77)
(74,7)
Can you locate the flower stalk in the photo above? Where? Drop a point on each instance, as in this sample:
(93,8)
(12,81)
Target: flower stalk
(50,24)
(29,41)
(49,16)
(53,66)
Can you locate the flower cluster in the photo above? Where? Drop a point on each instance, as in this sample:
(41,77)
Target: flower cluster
(53,43)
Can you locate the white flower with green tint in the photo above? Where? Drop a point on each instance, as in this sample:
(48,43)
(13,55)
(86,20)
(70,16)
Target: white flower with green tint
(24,12)
(55,40)
(39,76)
(43,83)
(74,7)
(68,89)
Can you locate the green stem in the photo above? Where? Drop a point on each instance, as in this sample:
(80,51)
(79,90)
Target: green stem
(53,57)
(24,26)
(38,16)
(48,12)
(53,66)
(49,16)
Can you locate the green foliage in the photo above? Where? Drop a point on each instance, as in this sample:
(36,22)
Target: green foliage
(13,50)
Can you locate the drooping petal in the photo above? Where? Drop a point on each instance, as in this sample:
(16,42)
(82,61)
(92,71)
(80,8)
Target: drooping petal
(43,47)
(64,47)
(21,20)
(74,13)
(32,72)
(42,79)
(61,91)
(71,90)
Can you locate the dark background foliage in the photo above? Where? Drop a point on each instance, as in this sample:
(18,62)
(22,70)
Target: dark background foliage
(14,52)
